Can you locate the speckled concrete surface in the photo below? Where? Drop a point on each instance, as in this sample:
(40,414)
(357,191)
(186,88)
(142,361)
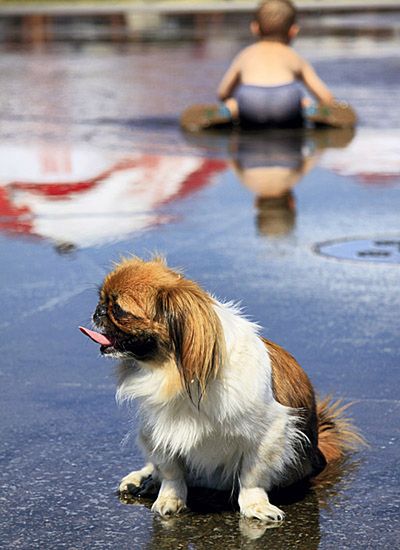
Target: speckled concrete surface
(63,444)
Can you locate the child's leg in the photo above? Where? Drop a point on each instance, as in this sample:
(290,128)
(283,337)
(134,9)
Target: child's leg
(233,107)
(307,103)
(198,117)
(338,114)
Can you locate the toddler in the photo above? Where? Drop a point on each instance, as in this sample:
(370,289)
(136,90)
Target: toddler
(262,87)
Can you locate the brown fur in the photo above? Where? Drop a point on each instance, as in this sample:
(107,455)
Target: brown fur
(195,332)
(324,420)
(291,385)
(158,299)
(336,433)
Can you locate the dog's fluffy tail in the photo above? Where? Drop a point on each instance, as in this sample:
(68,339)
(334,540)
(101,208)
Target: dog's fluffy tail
(337,436)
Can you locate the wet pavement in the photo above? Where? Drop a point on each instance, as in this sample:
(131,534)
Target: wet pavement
(94,166)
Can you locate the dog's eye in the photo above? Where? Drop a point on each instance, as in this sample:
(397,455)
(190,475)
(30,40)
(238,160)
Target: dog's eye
(120,314)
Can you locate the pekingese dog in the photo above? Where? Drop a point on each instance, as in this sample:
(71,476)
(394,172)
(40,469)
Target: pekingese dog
(220,406)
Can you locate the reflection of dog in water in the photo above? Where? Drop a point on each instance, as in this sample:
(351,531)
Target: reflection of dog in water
(272,164)
(212,518)
(220,528)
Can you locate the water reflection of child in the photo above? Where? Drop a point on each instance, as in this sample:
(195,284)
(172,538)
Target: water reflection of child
(262,83)
(270,168)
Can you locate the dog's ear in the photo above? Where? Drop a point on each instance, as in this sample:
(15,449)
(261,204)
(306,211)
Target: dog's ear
(195,334)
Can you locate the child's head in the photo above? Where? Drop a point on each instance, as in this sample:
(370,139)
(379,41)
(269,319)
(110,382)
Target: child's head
(275,19)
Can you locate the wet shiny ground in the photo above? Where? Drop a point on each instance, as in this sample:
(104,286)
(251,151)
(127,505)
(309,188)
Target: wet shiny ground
(94,166)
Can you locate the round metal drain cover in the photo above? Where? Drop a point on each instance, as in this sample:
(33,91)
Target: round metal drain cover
(363,250)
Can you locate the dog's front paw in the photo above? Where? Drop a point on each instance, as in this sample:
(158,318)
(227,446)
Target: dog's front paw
(254,504)
(265,511)
(168,506)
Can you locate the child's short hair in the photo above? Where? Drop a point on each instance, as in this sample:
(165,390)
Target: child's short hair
(275,17)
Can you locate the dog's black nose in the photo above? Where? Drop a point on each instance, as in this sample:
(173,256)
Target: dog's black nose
(100,313)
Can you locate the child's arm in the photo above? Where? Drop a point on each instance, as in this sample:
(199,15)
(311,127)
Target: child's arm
(315,84)
(229,80)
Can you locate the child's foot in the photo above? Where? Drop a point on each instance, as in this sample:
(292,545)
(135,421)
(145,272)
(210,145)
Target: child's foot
(199,117)
(338,114)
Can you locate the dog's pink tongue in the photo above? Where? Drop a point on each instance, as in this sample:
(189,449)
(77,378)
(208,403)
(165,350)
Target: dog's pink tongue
(96,336)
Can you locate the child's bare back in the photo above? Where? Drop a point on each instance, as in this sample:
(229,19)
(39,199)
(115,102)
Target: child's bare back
(268,64)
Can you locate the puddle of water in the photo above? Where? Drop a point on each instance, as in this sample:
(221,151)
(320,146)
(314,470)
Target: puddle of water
(79,196)
(83,198)
(93,166)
